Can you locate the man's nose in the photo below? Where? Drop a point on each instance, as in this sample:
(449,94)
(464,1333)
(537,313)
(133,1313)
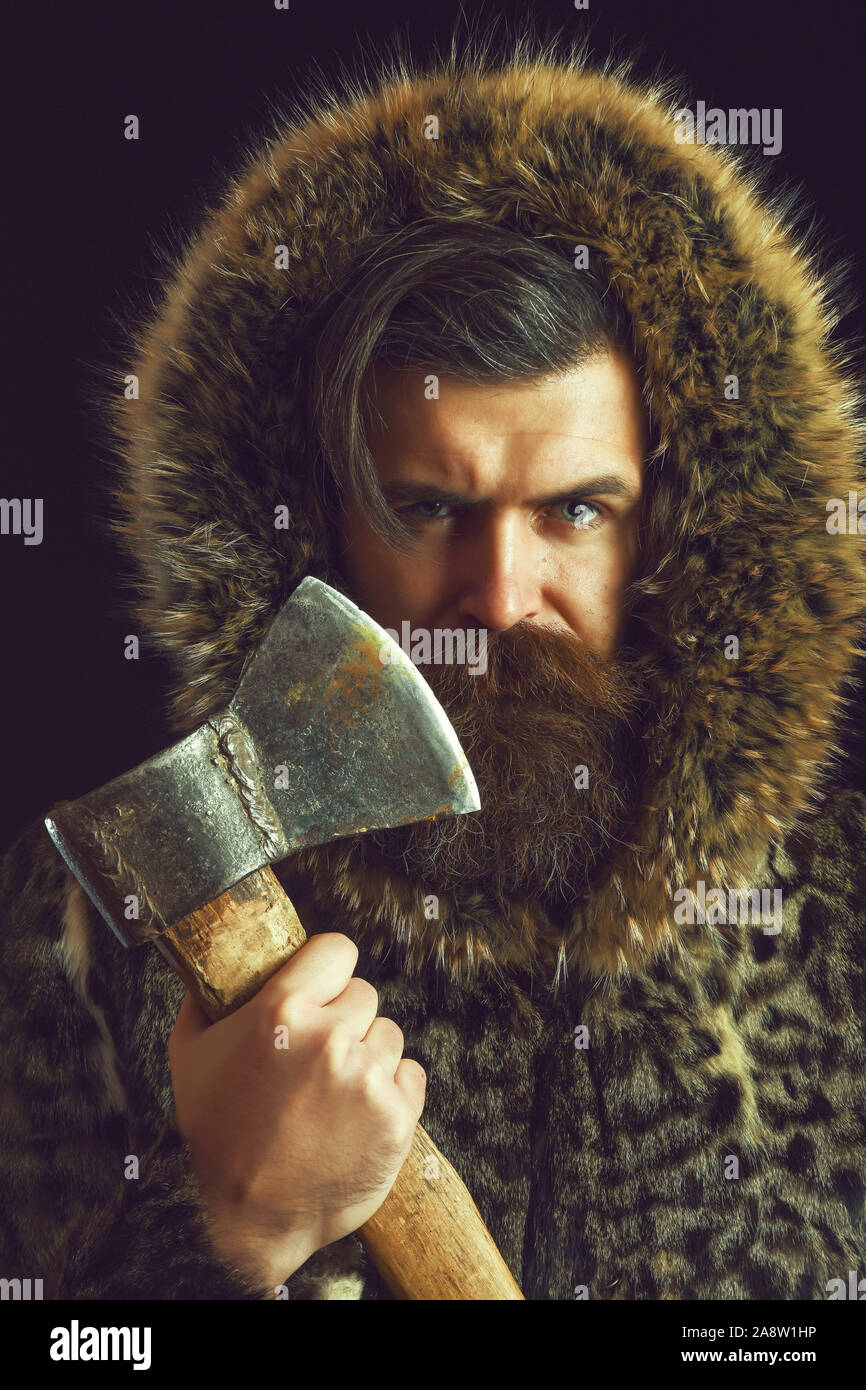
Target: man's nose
(498,573)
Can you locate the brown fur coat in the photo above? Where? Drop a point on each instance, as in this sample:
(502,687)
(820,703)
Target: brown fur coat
(710,1141)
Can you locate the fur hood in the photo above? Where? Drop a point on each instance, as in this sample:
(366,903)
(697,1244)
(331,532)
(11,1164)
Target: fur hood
(718,281)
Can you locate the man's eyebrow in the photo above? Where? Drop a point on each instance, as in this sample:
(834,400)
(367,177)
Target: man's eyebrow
(608,484)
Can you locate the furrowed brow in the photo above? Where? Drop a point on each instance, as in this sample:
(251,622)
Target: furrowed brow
(607,484)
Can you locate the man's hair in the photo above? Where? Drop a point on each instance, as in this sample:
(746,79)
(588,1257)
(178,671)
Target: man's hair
(462,299)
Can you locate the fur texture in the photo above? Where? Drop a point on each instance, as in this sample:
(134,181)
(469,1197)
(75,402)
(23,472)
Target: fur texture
(600,1167)
(716,284)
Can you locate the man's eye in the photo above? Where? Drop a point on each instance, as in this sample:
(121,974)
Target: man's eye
(416,510)
(586,514)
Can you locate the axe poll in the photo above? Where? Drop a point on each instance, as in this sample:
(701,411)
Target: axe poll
(322,739)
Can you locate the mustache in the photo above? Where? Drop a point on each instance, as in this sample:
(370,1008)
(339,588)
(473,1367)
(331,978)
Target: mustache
(537,664)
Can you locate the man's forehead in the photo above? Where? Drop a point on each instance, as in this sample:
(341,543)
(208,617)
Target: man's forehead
(589,423)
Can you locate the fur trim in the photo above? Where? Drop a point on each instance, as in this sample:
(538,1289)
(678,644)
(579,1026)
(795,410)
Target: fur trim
(718,280)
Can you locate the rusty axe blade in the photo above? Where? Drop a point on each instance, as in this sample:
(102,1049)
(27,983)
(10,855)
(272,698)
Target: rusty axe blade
(332,731)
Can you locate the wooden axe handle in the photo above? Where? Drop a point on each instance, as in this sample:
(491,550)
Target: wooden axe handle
(427,1238)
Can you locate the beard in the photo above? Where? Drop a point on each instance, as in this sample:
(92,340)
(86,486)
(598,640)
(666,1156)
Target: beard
(549,730)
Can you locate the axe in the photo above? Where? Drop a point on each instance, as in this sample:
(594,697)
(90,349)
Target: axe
(322,739)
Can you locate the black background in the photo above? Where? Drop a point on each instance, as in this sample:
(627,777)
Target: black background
(88,211)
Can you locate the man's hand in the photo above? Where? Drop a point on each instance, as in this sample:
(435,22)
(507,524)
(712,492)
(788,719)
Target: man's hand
(297,1108)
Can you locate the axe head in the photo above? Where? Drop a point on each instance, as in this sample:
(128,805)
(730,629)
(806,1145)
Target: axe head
(332,731)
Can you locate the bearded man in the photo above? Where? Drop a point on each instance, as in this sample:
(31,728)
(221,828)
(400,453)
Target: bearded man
(536,369)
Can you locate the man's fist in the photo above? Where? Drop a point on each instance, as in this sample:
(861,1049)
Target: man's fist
(297,1108)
